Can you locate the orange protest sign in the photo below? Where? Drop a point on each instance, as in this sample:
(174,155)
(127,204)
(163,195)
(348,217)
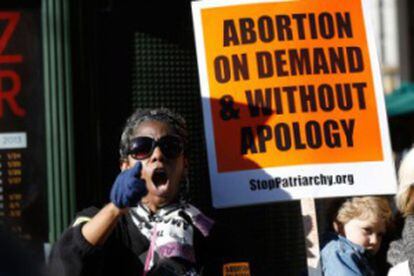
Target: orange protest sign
(288,83)
(299,77)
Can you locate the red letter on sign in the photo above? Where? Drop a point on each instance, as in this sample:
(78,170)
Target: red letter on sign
(12,20)
(9,95)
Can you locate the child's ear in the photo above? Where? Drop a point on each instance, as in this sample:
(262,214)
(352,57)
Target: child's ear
(338,227)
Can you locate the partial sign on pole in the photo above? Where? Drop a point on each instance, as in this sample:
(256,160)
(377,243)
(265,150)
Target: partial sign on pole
(292,101)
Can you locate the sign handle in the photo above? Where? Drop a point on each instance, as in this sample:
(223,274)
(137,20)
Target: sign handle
(310,230)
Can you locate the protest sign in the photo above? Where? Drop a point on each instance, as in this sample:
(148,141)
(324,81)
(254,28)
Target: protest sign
(292,101)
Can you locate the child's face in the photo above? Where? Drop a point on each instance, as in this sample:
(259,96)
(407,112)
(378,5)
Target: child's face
(367,233)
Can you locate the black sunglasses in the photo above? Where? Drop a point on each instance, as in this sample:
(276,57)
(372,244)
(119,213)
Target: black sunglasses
(143,146)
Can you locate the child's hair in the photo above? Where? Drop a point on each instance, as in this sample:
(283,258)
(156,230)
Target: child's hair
(405,197)
(364,208)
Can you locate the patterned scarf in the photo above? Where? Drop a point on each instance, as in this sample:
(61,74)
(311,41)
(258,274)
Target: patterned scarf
(170,231)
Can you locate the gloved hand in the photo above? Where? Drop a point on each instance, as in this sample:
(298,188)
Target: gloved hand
(128,188)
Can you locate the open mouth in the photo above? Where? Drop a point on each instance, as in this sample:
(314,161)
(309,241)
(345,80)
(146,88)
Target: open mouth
(159,177)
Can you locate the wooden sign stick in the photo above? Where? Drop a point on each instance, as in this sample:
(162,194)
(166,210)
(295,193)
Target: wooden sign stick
(310,229)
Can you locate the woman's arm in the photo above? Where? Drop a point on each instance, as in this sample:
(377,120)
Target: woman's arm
(126,192)
(97,230)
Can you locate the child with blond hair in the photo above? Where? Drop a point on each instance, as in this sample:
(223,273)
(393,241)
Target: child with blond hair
(359,224)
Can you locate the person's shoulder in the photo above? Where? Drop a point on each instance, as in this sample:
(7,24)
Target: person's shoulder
(338,247)
(331,241)
(339,258)
(330,246)
(84,215)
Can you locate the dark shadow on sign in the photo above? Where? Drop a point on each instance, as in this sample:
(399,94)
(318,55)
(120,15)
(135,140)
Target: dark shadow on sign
(252,142)
(268,234)
(308,226)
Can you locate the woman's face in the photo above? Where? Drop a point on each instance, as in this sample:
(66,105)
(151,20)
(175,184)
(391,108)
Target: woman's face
(161,174)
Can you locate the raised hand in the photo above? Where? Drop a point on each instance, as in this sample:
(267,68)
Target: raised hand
(128,188)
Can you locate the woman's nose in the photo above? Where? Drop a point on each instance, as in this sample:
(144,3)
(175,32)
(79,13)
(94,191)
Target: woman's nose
(157,155)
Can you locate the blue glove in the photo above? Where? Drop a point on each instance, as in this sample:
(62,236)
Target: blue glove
(128,188)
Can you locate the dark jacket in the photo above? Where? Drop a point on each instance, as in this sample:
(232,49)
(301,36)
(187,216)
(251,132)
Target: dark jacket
(122,254)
